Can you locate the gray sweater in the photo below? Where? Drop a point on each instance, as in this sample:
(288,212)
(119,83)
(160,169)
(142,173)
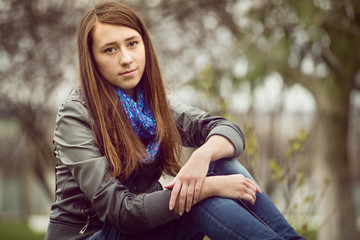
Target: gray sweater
(86,195)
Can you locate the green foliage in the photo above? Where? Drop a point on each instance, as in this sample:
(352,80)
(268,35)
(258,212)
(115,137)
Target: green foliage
(306,11)
(208,83)
(293,168)
(290,174)
(251,145)
(296,145)
(278,173)
(18,230)
(307,233)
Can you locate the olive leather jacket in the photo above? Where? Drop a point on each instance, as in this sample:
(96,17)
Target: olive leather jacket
(86,196)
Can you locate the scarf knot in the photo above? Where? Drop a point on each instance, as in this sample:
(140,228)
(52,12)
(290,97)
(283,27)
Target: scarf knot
(142,121)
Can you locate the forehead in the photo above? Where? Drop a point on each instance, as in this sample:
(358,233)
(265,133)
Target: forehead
(104,33)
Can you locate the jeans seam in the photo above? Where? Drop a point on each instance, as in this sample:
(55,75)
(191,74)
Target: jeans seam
(255,215)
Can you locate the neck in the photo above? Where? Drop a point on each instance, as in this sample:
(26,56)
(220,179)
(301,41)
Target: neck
(131,92)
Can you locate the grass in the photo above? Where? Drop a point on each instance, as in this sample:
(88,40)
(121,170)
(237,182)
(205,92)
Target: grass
(310,234)
(17,230)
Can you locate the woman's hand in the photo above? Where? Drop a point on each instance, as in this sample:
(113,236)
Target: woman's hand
(187,184)
(235,186)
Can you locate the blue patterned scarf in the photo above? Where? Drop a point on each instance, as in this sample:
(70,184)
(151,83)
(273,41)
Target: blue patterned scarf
(142,120)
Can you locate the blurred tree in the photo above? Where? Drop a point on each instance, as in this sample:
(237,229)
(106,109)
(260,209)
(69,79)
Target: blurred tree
(36,55)
(311,42)
(315,43)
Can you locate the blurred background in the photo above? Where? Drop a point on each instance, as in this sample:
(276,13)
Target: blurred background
(287,72)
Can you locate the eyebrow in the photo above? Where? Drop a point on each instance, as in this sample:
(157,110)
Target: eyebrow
(131,38)
(126,40)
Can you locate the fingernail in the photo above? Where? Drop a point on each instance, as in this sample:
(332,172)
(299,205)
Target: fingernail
(180,214)
(171,208)
(187,210)
(194,201)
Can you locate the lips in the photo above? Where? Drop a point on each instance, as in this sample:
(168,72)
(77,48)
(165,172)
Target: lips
(129,72)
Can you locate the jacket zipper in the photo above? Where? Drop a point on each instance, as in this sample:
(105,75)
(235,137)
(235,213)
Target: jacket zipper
(82,231)
(86,226)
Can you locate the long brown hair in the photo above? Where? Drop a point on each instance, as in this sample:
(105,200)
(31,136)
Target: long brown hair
(115,136)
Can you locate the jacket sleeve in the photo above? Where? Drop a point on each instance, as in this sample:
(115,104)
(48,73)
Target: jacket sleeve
(112,201)
(196,126)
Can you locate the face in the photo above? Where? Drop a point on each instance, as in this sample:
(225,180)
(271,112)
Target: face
(119,54)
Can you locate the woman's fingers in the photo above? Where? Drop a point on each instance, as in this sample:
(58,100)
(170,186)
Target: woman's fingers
(182,198)
(251,195)
(249,198)
(174,195)
(170,185)
(250,188)
(198,187)
(189,197)
(253,185)
(183,194)
(258,190)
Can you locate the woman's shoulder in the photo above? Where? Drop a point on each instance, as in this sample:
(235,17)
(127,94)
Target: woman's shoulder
(76,95)
(74,105)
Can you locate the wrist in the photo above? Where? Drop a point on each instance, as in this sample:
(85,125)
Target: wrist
(203,154)
(209,188)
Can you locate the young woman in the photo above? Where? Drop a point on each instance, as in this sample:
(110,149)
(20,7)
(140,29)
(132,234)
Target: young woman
(119,132)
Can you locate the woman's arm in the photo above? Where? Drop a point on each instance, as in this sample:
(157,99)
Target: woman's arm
(235,186)
(188,182)
(216,147)
(197,126)
(214,136)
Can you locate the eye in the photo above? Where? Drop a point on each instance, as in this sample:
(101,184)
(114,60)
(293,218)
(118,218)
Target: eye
(133,44)
(110,50)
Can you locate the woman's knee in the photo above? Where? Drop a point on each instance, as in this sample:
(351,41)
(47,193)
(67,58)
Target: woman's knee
(227,167)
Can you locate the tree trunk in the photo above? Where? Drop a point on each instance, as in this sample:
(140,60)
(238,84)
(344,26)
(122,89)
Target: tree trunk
(336,207)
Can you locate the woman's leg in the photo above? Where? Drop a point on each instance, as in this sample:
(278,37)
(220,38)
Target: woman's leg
(220,218)
(264,210)
(223,219)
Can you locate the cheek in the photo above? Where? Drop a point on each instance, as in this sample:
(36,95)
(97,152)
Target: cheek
(104,66)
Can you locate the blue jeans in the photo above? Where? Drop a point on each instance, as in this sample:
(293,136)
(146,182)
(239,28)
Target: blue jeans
(219,218)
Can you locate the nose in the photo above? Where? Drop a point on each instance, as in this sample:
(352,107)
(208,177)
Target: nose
(125,58)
